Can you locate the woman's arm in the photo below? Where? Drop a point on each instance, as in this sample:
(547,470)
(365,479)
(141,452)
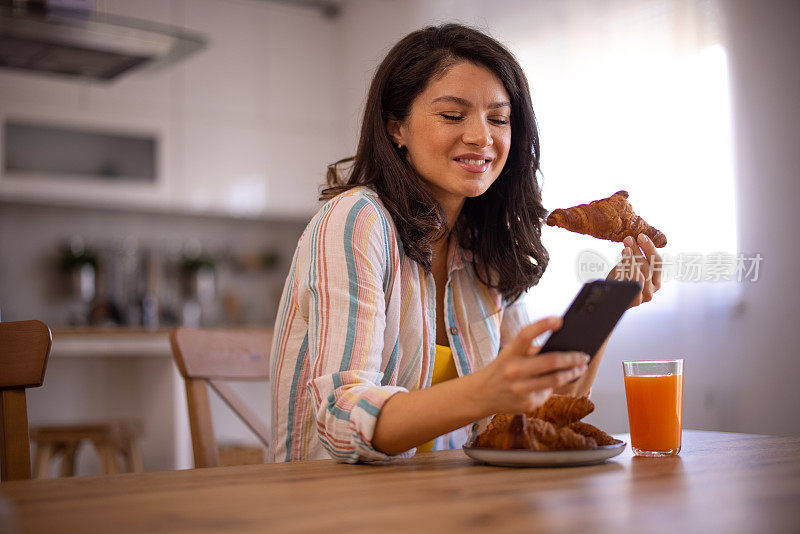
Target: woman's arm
(641,262)
(409,419)
(583,385)
(513,383)
(342,265)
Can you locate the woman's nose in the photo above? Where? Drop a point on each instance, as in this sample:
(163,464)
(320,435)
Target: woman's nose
(478,133)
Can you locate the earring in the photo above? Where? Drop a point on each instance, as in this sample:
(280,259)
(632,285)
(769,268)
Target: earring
(400,146)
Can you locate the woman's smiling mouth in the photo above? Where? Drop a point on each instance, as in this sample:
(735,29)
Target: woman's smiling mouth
(473,162)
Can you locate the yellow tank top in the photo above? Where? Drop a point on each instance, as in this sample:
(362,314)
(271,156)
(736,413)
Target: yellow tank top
(444,368)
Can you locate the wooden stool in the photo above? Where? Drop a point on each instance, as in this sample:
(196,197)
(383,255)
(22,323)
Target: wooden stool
(111,440)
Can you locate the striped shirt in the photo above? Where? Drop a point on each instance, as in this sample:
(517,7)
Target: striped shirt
(357,324)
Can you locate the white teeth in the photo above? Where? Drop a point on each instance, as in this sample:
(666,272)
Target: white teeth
(473,161)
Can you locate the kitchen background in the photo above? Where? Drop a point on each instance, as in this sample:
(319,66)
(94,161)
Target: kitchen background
(691,105)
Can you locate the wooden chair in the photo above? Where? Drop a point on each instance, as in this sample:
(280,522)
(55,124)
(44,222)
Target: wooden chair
(24,347)
(209,358)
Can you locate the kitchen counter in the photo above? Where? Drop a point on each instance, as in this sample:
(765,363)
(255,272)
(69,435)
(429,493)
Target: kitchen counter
(110,343)
(115,342)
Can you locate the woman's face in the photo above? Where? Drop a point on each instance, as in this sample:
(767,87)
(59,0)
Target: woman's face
(458,133)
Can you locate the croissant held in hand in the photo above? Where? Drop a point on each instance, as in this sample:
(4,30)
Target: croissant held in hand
(610,218)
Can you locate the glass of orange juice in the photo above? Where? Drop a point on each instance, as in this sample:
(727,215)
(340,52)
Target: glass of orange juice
(654,390)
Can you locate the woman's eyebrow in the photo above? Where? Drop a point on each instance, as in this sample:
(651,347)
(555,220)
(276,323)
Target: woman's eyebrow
(467,103)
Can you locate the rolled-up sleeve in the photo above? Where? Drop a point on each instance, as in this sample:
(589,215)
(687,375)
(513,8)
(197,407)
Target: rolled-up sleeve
(346,263)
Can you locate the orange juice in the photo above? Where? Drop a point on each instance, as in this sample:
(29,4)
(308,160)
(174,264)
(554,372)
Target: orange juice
(654,411)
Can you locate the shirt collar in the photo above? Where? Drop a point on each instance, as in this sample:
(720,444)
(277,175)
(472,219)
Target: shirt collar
(457,257)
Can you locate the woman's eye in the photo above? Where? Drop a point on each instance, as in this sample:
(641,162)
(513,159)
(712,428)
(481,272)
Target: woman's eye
(455,118)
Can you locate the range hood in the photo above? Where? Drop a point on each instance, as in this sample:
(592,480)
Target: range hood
(71,38)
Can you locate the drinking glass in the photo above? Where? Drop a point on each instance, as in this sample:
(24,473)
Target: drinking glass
(654,391)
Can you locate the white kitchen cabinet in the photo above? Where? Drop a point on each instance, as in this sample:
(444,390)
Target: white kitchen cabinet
(21,88)
(257,110)
(84,189)
(297,169)
(133,94)
(224,166)
(245,127)
(135,103)
(251,170)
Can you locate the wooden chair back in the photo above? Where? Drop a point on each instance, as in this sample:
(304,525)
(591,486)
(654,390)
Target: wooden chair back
(207,357)
(24,347)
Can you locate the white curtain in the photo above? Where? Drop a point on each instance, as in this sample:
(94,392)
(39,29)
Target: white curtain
(634,95)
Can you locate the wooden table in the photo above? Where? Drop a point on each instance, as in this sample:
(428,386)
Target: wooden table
(720,483)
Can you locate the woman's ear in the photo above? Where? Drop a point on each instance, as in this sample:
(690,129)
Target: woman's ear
(395,132)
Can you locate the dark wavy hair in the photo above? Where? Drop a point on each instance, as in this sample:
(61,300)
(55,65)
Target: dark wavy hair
(502,227)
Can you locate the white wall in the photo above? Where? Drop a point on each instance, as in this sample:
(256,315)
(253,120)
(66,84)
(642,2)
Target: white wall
(367,30)
(764,47)
(740,355)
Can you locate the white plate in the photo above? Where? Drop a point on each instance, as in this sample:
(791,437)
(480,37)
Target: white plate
(526,458)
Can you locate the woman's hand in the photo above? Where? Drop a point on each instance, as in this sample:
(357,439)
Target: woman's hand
(518,382)
(641,262)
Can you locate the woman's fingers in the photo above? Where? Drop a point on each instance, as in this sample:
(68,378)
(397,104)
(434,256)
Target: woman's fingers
(517,381)
(637,267)
(543,364)
(627,268)
(549,381)
(536,398)
(653,258)
(645,294)
(640,259)
(652,273)
(522,343)
(641,262)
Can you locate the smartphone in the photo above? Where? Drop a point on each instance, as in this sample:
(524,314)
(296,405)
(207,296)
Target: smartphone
(592,316)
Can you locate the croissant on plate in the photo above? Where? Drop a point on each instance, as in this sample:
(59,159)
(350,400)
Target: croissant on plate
(562,410)
(591,431)
(505,432)
(555,425)
(549,437)
(609,218)
(490,438)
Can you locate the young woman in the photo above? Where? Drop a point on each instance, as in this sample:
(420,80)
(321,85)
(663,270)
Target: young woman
(402,321)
